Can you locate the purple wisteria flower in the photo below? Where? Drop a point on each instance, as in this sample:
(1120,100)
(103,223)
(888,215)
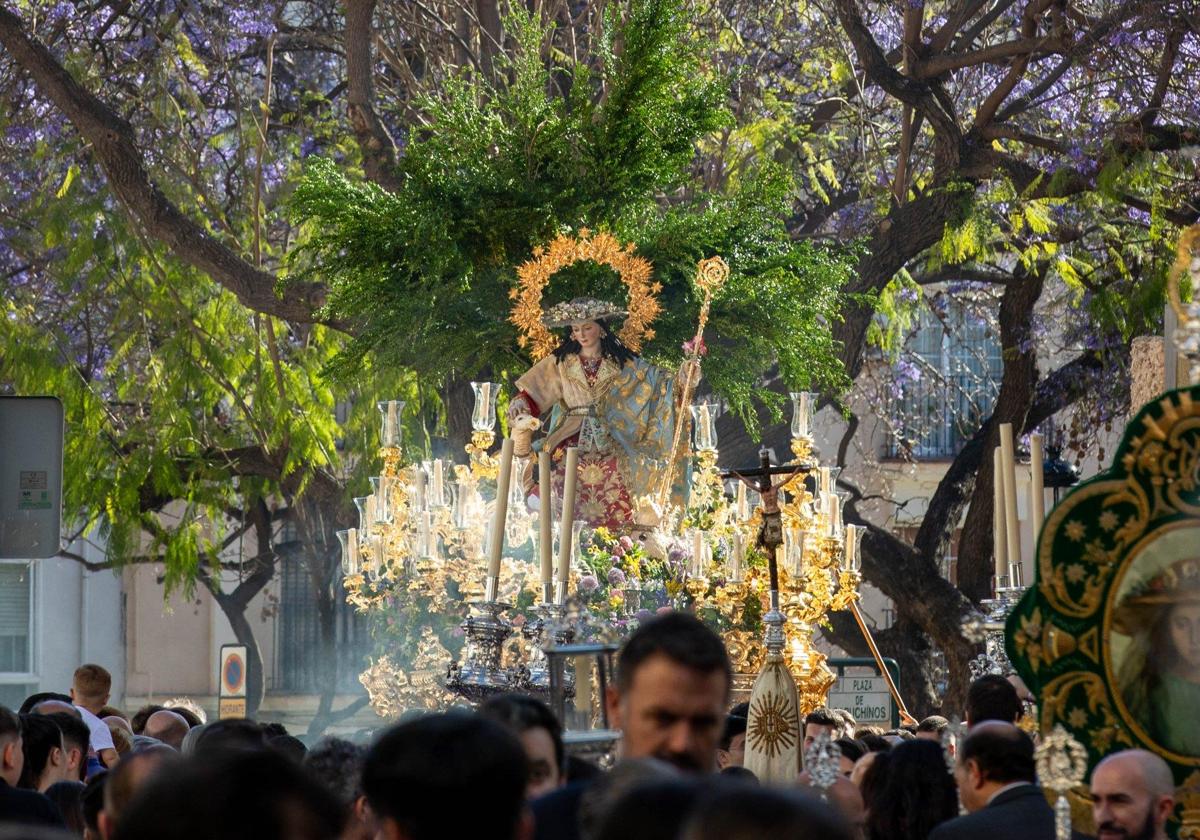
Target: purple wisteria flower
(616,577)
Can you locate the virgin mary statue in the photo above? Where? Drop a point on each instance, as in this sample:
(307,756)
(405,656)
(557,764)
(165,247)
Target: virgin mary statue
(595,393)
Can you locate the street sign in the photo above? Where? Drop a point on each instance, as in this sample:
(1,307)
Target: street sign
(31,457)
(231,677)
(865,697)
(863,692)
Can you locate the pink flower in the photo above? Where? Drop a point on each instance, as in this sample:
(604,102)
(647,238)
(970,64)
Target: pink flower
(626,543)
(695,347)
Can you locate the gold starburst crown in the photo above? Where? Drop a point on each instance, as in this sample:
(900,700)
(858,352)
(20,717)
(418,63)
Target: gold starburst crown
(602,248)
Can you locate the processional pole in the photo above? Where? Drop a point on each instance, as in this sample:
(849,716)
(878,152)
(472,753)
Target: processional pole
(711,275)
(773,735)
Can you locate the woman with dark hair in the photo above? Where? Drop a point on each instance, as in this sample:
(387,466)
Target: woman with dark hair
(68,796)
(909,790)
(600,396)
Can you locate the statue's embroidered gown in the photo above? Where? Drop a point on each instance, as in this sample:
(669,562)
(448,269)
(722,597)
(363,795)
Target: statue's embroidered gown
(621,418)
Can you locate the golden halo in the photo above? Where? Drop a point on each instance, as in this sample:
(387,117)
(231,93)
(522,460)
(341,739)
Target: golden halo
(563,250)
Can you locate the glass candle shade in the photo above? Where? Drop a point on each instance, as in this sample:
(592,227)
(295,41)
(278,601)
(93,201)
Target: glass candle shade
(366,512)
(436,497)
(704,421)
(853,543)
(381,492)
(483,418)
(390,429)
(351,562)
(803,405)
(793,550)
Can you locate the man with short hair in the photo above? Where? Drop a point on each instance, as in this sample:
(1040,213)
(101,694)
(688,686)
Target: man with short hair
(90,687)
(416,768)
(731,752)
(672,685)
(1133,795)
(540,734)
(932,727)
(167,726)
(818,721)
(992,697)
(17,805)
(75,738)
(45,760)
(996,779)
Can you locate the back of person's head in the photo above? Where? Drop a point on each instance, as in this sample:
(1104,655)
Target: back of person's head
(748,812)
(11,758)
(41,742)
(934,723)
(138,721)
(130,776)
(851,749)
(992,697)
(874,742)
(846,721)
(122,740)
(234,795)
(739,774)
(867,729)
(336,764)
(679,636)
(189,709)
(598,799)
(1001,751)
(92,801)
(167,726)
(33,699)
(649,811)
(914,792)
(112,711)
(288,746)
(68,796)
(229,734)
(415,768)
(521,713)
(75,737)
(91,685)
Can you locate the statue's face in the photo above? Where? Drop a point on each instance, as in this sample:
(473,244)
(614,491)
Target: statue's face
(588,335)
(1184,626)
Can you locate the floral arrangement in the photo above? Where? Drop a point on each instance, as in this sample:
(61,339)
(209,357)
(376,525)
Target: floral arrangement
(622,584)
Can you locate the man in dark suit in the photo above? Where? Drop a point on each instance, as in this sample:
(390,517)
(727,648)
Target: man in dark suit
(19,806)
(997,785)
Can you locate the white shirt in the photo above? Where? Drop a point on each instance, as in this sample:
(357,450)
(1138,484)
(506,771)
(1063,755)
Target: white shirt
(100,737)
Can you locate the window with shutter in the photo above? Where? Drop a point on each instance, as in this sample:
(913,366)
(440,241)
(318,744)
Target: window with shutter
(14,618)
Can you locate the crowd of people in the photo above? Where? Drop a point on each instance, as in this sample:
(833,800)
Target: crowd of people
(73,766)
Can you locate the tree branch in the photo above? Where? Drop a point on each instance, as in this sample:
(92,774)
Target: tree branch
(113,143)
(1026,47)
(374,141)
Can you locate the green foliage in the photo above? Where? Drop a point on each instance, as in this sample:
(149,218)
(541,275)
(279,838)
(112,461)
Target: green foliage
(425,273)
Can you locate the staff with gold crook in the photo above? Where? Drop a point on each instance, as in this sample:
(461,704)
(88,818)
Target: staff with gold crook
(711,275)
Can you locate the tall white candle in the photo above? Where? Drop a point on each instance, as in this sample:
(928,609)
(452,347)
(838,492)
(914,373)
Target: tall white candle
(570,480)
(999,528)
(500,511)
(743,508)
(825,480)
(353,561)
(1012,524)
(545,518)
(737,557)
(419,481)
(439,483)
(1037,492)
(851,546)
(393,420)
